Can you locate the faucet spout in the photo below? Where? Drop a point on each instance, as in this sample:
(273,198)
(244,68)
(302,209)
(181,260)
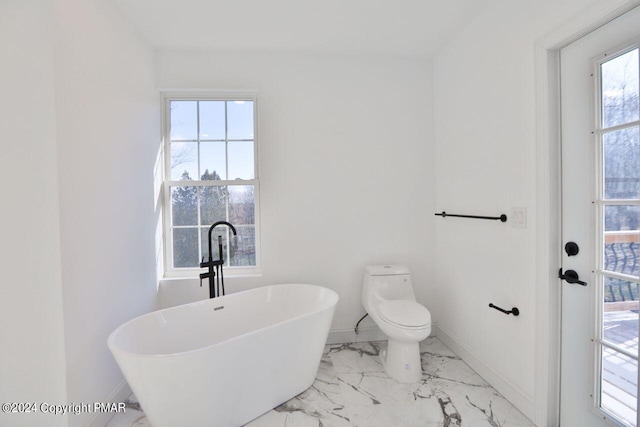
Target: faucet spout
(215,224)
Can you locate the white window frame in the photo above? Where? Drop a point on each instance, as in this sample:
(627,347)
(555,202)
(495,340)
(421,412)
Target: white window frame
(166,98)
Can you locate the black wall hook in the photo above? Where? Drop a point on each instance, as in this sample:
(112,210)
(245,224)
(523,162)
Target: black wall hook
(513,311)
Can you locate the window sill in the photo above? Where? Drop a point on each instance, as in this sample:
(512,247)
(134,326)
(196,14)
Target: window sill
(230,274)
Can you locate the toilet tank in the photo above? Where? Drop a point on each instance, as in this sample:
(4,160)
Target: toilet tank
(388,282)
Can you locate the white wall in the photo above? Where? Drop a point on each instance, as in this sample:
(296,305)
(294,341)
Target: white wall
(32,367)
(485,131)
(81,131)
(81,125)
(346,167)
(108,134)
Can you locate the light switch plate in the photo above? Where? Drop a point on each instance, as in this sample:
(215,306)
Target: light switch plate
(518,217)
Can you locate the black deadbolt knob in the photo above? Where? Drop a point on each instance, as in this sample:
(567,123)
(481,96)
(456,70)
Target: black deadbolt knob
(571,248)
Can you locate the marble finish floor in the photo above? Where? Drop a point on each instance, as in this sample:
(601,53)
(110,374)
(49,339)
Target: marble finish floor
(352,389)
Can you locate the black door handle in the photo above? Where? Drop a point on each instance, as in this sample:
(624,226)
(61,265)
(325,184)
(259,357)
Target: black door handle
(571,276)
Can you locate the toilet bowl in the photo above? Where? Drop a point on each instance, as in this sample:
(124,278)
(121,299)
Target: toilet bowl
(387,296)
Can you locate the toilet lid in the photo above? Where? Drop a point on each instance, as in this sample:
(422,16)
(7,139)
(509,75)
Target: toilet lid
(405,313)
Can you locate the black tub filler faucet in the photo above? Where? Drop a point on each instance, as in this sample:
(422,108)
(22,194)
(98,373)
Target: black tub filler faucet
(214,290)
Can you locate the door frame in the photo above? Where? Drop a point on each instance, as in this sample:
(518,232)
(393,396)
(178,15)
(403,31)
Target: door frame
(548,200)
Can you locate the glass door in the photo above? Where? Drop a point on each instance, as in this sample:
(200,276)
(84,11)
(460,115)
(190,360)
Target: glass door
(618,225)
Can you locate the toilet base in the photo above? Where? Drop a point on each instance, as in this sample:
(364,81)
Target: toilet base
(401,361)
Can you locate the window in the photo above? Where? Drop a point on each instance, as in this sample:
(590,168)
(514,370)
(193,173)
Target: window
(618,233)
(210,175)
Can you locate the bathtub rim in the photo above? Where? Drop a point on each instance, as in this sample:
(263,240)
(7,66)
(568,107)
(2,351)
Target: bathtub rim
(116,350)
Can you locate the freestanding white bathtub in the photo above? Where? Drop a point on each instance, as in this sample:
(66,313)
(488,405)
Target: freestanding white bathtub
(227,360)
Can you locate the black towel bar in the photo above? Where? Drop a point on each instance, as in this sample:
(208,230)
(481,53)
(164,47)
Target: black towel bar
(502,217)
(513,311)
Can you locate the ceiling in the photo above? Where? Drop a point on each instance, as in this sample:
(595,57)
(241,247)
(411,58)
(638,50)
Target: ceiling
(395,27)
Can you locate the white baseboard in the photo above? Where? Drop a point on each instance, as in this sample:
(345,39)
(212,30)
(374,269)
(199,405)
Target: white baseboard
(120,394)
(365,333)
(515,396)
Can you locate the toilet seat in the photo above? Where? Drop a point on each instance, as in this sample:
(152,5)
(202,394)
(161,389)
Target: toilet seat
(405,313)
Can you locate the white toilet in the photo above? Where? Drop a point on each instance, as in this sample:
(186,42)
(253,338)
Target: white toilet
(387,295)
